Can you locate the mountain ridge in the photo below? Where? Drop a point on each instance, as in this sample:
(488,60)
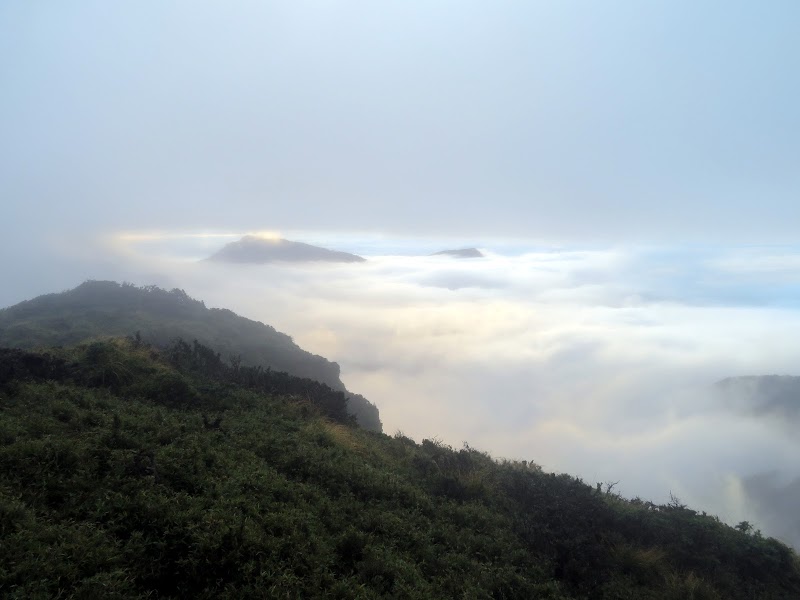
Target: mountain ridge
(460,253)
(107,308)
(260,250)
(763,394)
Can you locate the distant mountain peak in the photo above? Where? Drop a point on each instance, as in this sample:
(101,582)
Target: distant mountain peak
(99,309)
(763,394)
(460,253)
(259,250)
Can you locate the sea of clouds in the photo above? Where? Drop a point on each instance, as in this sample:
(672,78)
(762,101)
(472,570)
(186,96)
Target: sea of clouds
(596,361)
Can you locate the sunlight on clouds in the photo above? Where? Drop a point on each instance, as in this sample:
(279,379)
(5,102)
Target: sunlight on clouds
(160,235)
(174,246)
(129,237)
(693,457)
(738,506)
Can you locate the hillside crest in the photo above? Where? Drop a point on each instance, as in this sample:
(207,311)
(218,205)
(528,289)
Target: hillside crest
(108,309)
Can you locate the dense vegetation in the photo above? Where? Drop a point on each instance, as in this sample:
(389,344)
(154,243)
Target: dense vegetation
(132,472)
(106,308)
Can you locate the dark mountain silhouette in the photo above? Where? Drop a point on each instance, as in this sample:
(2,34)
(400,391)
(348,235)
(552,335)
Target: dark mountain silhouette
(763,394)
(106,308)
(253,249)
(460,253)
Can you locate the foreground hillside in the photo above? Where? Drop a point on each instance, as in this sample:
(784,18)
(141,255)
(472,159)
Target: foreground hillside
(129,472)
(106,308)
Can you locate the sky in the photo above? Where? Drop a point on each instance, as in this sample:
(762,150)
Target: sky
(669,120)
(629,169)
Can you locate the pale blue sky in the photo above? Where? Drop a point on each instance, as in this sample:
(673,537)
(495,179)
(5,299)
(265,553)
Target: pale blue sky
(562,121)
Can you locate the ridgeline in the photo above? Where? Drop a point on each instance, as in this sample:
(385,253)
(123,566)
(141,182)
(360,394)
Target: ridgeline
(97,309)
(258,250)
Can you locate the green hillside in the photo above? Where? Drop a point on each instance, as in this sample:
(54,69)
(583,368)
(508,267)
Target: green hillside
(105,308)
(132,472)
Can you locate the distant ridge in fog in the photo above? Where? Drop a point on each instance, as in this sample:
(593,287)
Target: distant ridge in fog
(460,253)
(254,249)
(764,394)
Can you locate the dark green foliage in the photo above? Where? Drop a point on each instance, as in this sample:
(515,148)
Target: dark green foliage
(203,363)
(131,473)
(102,309)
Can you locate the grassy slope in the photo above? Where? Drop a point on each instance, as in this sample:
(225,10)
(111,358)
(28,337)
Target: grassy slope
(117,480)
(106,308)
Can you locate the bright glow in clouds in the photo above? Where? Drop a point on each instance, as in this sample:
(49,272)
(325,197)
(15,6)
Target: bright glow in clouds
(186,245)
(594,361)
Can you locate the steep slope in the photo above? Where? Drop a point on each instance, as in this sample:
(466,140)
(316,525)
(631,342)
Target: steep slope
(253,249)
(106,308)
(127,472)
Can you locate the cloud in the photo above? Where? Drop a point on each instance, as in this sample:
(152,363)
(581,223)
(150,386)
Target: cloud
(776,500)
(764,260)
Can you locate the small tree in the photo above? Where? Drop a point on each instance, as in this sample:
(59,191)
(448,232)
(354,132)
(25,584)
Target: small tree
(745,527)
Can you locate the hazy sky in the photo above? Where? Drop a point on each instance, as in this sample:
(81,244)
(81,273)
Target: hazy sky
(559,120)
(630,167)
